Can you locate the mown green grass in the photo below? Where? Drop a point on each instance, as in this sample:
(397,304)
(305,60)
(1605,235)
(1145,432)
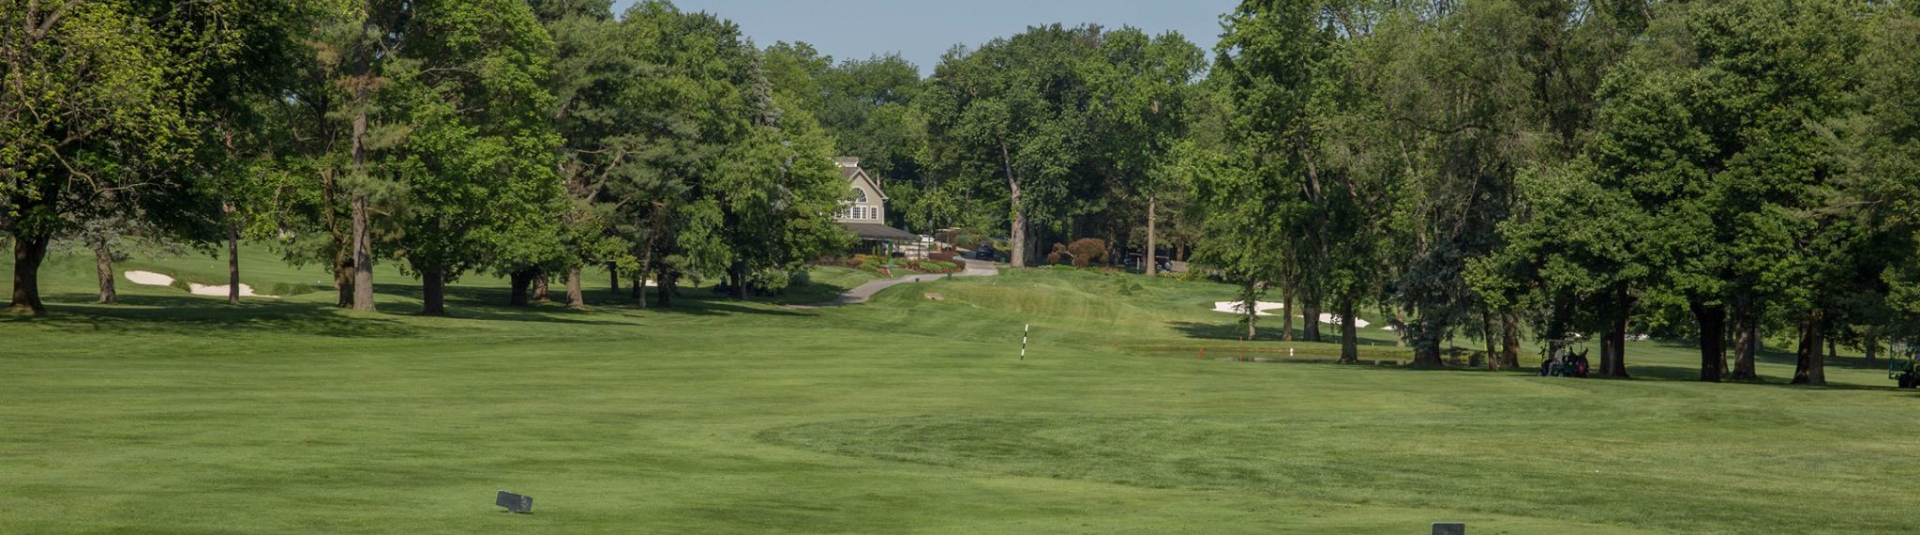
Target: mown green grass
(177,414)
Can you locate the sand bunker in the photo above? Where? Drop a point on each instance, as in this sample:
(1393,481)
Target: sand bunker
(219,291)
(1334,319)
(148,278)
(1260,308)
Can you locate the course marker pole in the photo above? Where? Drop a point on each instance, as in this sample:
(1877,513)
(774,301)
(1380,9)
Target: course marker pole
(1023,340)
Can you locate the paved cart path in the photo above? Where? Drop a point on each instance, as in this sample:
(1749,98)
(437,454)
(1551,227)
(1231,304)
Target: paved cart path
(861,293)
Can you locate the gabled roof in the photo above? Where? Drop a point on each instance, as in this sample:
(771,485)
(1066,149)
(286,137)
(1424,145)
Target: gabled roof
(850,170)
(879,232)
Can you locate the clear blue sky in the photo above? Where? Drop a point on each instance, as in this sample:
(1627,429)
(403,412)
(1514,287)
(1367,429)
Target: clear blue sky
(922,30)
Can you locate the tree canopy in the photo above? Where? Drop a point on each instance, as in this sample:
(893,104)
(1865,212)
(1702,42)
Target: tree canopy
(1722,172)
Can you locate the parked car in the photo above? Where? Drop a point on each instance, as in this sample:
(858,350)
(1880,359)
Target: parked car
(1133,262)
(984,252)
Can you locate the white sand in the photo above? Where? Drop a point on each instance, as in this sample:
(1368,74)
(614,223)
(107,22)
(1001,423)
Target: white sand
(1333,319)
(148,278)
(219,291)
(1260,308)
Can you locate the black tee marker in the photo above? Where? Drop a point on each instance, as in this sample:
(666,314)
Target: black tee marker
(514,503)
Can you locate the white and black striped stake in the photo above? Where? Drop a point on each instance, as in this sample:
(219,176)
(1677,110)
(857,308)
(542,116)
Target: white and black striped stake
(1023,340)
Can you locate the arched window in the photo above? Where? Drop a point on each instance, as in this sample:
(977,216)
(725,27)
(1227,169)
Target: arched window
(859,195)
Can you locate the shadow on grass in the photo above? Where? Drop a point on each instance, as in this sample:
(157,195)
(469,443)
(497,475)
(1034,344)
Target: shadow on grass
(1266,331)
(199,316)
(491,304)
(1675,373)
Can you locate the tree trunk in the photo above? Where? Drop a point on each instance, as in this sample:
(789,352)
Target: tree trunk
(1286,314)
(1833,346)
(1812,368)
(1721,363)
(28,252)
(343,279)
(1620,351)
(1249,307)
(361,223)
(1426,352)
(1712,320)
(519,281)
(1746,339)
(1019,230)
(103,269)
(540,288)
(1110,248)
(613,271)
(1349,333)
(362,256)
(362,227)
(663,289)
(1488,332)
(233,259)
(1309,318)
(433,287)
(1872,348)
(342,251)
(1400,332)
(738,272)
(1152,259)
(1615,365)
(1606,355)
(640,288)
(1509,340)
(576,298)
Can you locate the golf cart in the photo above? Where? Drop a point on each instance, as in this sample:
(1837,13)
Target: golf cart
(1906,371)
(984,252)
(1560,360)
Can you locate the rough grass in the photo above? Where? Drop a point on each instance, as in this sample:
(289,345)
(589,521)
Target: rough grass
(177,414)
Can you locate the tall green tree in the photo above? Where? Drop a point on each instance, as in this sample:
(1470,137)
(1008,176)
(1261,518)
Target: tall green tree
(1013,113)
(1772,74)
(1882,152)
(473,163)
(733,179)
(110,99)
(1142,87)
(1274,60)
(590,79)
(1479,95)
